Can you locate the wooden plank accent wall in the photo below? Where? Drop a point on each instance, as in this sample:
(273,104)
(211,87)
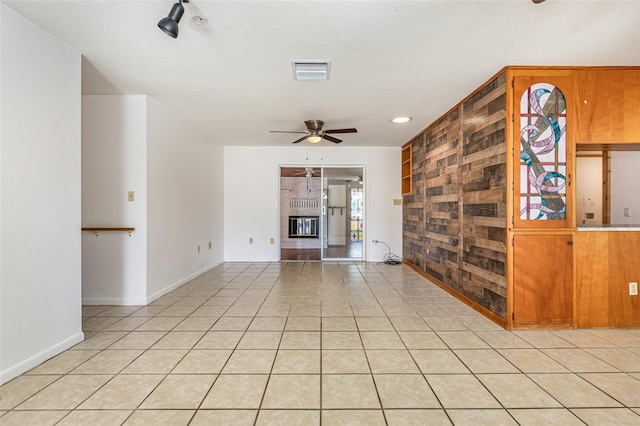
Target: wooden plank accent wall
(484,197)
(441,202)
(455,221)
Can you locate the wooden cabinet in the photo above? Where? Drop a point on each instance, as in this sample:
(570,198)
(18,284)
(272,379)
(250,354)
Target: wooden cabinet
(407,184)
(607,103)
(543,276)
(606,262)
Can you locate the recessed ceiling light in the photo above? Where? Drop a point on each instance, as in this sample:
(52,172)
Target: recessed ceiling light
(400,120)
(200,20)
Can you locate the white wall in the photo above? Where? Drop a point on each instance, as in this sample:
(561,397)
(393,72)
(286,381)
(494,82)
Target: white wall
(338,217)
(588,190)
(184,204)
(114,142)
(40,306)
(251,196)
(132,143)
(625,188)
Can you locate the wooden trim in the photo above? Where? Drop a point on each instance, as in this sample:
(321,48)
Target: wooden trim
(543,327)
(609,147)
(484,311)
(606,188)
(510,172)
(534,69)
(582,155)
(407,170)
(544,231)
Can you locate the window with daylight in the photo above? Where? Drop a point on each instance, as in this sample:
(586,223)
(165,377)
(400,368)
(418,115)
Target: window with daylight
(357,209)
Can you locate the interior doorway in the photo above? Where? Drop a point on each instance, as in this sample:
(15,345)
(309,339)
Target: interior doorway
(321,213)
(343,204)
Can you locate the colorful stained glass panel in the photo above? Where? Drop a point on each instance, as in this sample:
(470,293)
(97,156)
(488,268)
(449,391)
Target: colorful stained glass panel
(543,150)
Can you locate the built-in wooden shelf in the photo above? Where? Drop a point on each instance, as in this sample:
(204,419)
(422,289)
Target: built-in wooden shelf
(97,231)
(407,184)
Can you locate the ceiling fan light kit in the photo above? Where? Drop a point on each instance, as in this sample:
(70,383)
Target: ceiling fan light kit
(170,23)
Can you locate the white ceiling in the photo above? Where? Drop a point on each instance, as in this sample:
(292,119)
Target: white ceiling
(233,77)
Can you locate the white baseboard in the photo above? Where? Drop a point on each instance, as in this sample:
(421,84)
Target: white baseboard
(178,283)
(114,301)
(117,301)
(39,358)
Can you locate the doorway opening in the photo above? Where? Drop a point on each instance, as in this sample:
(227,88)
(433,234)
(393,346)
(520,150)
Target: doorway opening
(322,213)
(343,213)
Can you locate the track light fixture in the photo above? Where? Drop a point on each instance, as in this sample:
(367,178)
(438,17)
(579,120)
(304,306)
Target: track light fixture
(170,24)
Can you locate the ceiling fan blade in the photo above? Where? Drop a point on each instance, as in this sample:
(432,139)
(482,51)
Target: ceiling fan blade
(299,140)
(351,130)
(332,139)
(285,131)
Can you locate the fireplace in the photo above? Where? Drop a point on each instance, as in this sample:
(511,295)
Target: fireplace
(304,227)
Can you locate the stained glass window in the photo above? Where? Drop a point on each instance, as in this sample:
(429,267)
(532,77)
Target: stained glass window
(357,209)
(543,146)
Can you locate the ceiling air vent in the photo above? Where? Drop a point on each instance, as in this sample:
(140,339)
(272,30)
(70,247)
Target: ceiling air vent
(311,70)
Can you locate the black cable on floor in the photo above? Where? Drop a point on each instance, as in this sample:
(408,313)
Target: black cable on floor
(389,258)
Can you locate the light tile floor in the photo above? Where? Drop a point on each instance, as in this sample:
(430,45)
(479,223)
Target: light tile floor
(324,343)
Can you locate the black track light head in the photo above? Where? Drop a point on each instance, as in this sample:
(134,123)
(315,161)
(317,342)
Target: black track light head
(170,24)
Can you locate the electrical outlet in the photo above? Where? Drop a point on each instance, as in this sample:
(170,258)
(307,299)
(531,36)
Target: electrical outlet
(633,289)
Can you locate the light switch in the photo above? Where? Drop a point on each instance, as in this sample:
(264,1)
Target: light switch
(131,196)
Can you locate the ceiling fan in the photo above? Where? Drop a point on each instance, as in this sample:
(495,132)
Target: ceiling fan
(308,172)
(315,134)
